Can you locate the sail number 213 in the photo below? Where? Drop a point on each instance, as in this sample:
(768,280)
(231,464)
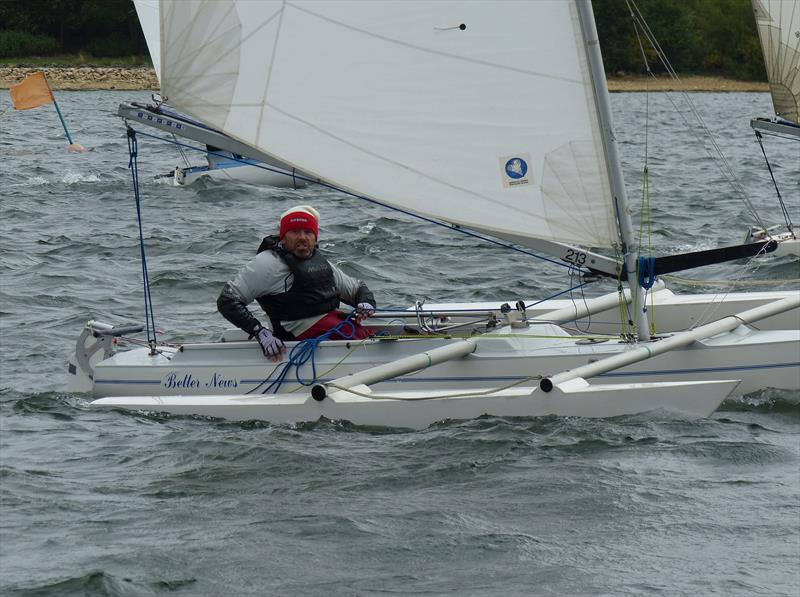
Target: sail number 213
(576,257)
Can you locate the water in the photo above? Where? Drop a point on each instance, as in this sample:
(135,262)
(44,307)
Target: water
(108,503)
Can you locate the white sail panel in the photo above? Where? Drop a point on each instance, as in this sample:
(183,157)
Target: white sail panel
(148,13)
(778,23)
(491,126)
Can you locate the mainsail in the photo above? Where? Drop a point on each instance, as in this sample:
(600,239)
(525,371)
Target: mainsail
(477,114)
(778,23)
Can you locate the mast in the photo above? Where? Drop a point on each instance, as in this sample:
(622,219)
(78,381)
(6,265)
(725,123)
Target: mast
(629,243)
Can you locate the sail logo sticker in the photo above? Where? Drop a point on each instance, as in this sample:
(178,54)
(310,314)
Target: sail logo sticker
(515,170)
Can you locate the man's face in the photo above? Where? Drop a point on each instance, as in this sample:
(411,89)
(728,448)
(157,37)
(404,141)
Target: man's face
(300,243)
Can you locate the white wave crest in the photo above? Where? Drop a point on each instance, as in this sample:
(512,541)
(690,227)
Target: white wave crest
(71,177)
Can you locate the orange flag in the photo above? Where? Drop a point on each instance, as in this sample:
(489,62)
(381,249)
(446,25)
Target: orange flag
(32,92)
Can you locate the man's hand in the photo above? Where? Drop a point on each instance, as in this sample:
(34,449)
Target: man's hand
(364,310)
(271,345)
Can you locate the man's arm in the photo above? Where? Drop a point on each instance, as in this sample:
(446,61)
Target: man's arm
(351,290)
(233,307)
(263,275)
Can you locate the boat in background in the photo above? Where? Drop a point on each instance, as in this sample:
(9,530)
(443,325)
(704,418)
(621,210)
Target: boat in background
(416,116)
(219,164)
(778,24)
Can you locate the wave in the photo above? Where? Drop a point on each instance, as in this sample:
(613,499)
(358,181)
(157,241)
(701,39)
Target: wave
(768,401)
(99,583)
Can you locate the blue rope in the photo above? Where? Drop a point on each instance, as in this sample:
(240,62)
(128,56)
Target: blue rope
(133,164)
(304,351)
(647,272)
(455,227)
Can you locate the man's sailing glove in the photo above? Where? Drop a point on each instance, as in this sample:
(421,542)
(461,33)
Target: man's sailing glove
(271,345)
(364,310)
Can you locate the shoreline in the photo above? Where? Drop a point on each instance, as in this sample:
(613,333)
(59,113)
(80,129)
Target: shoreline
(93,78)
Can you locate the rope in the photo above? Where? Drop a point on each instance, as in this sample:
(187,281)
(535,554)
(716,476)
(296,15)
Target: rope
(133,164)
(784,211)
(304,351)
(647,269)
(627,325)
(582,298)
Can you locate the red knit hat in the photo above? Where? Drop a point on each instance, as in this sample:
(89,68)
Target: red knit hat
(301,217)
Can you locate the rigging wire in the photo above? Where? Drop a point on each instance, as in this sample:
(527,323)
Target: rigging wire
(720,161)
(182,152)
(784,211)
(752,265)
(646,265)
(583,298)
(133,165)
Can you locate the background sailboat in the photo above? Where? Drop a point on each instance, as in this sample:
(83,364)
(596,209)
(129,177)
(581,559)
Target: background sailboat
(778,23)
(221,164)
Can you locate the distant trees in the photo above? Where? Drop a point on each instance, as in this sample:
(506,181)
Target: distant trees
(699,36)
(49,27)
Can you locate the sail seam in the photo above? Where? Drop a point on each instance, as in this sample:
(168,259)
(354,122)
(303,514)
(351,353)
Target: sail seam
(430,51)
(264,102)
(181,60)
(180,42)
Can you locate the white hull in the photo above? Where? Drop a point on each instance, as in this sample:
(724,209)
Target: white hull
(220,378)
(758,359)
(417,410)
(250,173)
(788,243)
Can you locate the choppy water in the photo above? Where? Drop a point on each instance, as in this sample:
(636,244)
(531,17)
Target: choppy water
(107,503)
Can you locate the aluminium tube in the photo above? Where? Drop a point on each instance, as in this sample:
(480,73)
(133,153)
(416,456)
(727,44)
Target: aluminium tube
(423,360)
(651,349)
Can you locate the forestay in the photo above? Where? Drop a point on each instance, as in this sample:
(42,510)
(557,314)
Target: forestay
(778,24)
(478,114)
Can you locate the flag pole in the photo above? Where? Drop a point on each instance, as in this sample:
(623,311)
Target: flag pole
(73,147)
(63,122)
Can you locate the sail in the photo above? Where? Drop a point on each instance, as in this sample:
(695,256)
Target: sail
(148,13)
(478,114)
(778,23)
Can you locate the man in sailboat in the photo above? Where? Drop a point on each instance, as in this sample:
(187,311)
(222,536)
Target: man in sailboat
(299,290)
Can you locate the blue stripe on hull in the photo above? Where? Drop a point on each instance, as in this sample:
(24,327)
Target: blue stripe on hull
(499,377)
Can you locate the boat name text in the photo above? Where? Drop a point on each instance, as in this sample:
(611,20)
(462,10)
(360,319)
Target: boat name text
(174,381)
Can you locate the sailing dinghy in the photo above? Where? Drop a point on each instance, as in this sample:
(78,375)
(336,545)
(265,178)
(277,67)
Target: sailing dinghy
(778,24)
(448,111)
